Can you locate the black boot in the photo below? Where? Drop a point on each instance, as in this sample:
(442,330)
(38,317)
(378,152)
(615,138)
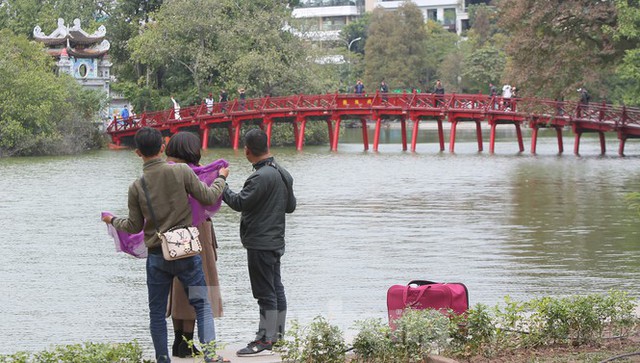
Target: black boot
(184,350)
(175,349)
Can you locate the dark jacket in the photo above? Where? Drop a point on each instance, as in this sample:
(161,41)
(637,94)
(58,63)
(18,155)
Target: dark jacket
(263,201)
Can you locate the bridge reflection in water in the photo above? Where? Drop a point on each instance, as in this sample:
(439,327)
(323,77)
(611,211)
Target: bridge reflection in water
(408,107)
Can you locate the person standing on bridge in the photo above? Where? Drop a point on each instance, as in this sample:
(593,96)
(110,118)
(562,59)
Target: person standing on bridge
(438,90)
(169,188)
(384,89)
(176,109)
(584,100)
(243,98)
(209,103)
(223,99)
(359,88)
(264,199)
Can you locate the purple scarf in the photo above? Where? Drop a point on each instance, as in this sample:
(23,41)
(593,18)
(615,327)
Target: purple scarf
(133,244)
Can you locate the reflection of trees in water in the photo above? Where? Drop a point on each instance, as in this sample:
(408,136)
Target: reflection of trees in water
(571,219)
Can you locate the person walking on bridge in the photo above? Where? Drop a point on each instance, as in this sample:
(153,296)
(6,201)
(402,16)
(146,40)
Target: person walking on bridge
(264,199)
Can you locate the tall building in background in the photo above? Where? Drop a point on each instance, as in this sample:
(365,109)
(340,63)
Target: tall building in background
(323,19)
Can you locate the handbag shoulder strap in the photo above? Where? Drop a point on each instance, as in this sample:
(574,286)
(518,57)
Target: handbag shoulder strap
(148,198)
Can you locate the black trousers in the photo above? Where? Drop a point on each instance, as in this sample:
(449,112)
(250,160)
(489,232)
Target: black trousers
(266,281)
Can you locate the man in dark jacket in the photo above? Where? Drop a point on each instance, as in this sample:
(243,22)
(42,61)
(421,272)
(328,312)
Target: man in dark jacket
(264,199)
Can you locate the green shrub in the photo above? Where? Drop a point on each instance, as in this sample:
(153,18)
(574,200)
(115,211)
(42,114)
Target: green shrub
(318,342)
(418,333)
(81,353)
(473,333)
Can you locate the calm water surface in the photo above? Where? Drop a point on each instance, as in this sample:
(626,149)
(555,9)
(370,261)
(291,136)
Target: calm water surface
(504,224)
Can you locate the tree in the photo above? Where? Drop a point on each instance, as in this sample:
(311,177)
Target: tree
(439,44)
(224,43)
(628,32)
(39,112)
(556,46)
(354,30)
(396,47)
(21,16)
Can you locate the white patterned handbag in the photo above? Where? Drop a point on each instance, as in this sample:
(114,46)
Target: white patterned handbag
(180,242)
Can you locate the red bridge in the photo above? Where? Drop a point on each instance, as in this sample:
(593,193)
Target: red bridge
(409,107)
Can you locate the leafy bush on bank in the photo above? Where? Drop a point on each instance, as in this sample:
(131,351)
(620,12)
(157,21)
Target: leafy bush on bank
(482,331)
(81,353)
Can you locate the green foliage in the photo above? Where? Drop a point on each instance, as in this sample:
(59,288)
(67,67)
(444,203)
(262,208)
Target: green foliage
(21,16)
(357,29)
(418,333)
(482,66)
(216,44)
(557,46)
(396,48)
(373,342)
(81,353)
(318,342)
(472,333)
(40,112)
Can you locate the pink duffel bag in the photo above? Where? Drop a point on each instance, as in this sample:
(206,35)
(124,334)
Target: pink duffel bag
(421,294)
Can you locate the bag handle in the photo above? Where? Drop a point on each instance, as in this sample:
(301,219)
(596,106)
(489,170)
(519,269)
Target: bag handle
(148,198)
(421,282)
(405,294)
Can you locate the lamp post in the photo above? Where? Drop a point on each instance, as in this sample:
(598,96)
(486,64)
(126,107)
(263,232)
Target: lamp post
(349,60)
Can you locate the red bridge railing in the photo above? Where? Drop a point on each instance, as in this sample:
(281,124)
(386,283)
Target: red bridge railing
(414,107)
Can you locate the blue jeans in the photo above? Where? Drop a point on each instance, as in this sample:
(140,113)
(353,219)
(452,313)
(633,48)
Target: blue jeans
(160,273)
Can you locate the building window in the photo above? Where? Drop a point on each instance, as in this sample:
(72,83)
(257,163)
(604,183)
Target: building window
(450,17)
(432,14)
(333,23)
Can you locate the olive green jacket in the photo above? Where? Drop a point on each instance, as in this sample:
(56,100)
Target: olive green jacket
(169,187)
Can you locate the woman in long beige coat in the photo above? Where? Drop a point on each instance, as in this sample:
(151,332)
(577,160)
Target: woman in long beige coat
(184,147)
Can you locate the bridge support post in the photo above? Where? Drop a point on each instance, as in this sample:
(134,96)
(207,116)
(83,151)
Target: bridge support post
(236,135)
(623,140)
(204,134)
(479,135)
(576,143)
(414,134)
(330,129)
(534,138)
(300,139)
(440,134)
(295,131)
(336,135)
(267,124)
(519,134)
(492,140)
(365,134)
(603,146)
(559,136)
(403,129)
(452,136)
(376,134)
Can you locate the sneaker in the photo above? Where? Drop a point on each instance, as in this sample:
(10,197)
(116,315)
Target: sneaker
(256,347)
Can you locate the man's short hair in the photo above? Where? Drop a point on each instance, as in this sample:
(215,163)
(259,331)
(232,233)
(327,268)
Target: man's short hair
(148,141)
(256,141)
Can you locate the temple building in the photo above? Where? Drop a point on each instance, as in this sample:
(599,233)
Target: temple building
(84,57)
